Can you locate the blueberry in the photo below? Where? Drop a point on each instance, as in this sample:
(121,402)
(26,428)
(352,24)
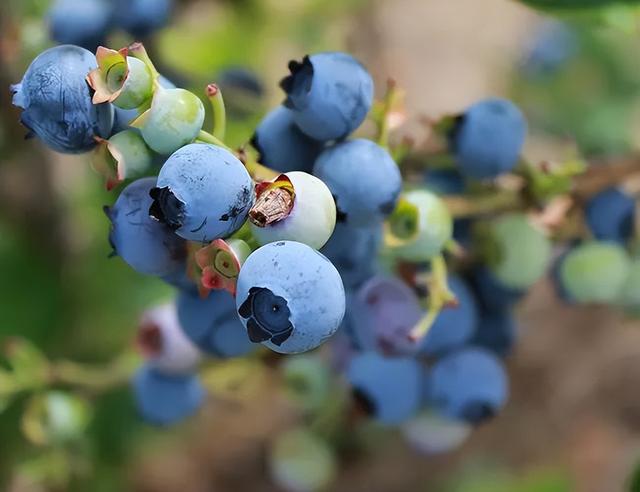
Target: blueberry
(353,251)
(148,246)
(329,93)
(163,342)
(57,103)
(610,215)
(363,178)
(84,23)
(444,181)
(282,146)
(488,138)
(203,193)
(430,433)
(140,18)
(594,272)
(289,297)
(554,44)
(213,325)
(496,331)
(310,221)
(469,385)
(491,293)
(382,314)
(163,399)
(454,326)
(388,389)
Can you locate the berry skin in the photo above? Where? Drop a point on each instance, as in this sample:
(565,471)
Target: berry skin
(310,221)
(301,462)
(496,332)
(454,326)
(84,23)
(382,314)
(163,399)
(488,138)
(388,389)
(203,193)
(330,94)
(56,103)
(363,178)
(424,223)
(610,215)
(491,293)
(289,297)
(353,251)
(174,120)
(282,146)
(429,433)
(594,272)
(516,252)
(164,344)
(122,117)
(469,385)
(146,245)
(141,17)
(213,325)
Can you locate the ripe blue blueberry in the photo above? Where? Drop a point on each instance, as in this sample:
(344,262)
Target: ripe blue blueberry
(289,297)
(610,215)
(454,326)
(554,43)
(163,342)
(56,102)
(444,181)
(203,193)
(147,245)
(282,146)
(165,399)
(488,138)
(213,325)
(387,389)
(491,293)
(84,23)
(364,179)
(382,315)
(496,331)
(469,384)
(141,17)
(354,251)
(243,91)
(329,93)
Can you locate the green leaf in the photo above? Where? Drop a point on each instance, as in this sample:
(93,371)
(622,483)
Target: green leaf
(568,5)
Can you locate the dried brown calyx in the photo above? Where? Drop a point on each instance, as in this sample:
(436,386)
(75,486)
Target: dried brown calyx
(274,201)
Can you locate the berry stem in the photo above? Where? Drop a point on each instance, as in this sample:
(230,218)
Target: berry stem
(214,94)
(439,297)
(207,137)
(97,378)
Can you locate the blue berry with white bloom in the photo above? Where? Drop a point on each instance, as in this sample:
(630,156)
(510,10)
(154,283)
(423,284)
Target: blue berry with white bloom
(84,23)
(282,146)
(146,245)
(469,384)
(289,297)
(165,399)
(141,17)
(203,193)
(56,102)
(387,389)
(213,325)
(330,94)
(363,178)
(610,215)
(488,138)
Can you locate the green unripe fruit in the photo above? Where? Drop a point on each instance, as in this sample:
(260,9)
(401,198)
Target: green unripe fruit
(137,87)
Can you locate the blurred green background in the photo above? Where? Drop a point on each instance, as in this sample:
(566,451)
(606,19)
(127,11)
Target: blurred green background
(573,422)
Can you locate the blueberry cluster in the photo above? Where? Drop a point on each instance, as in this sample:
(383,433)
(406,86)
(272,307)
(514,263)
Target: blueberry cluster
(313,234)
(88,23)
